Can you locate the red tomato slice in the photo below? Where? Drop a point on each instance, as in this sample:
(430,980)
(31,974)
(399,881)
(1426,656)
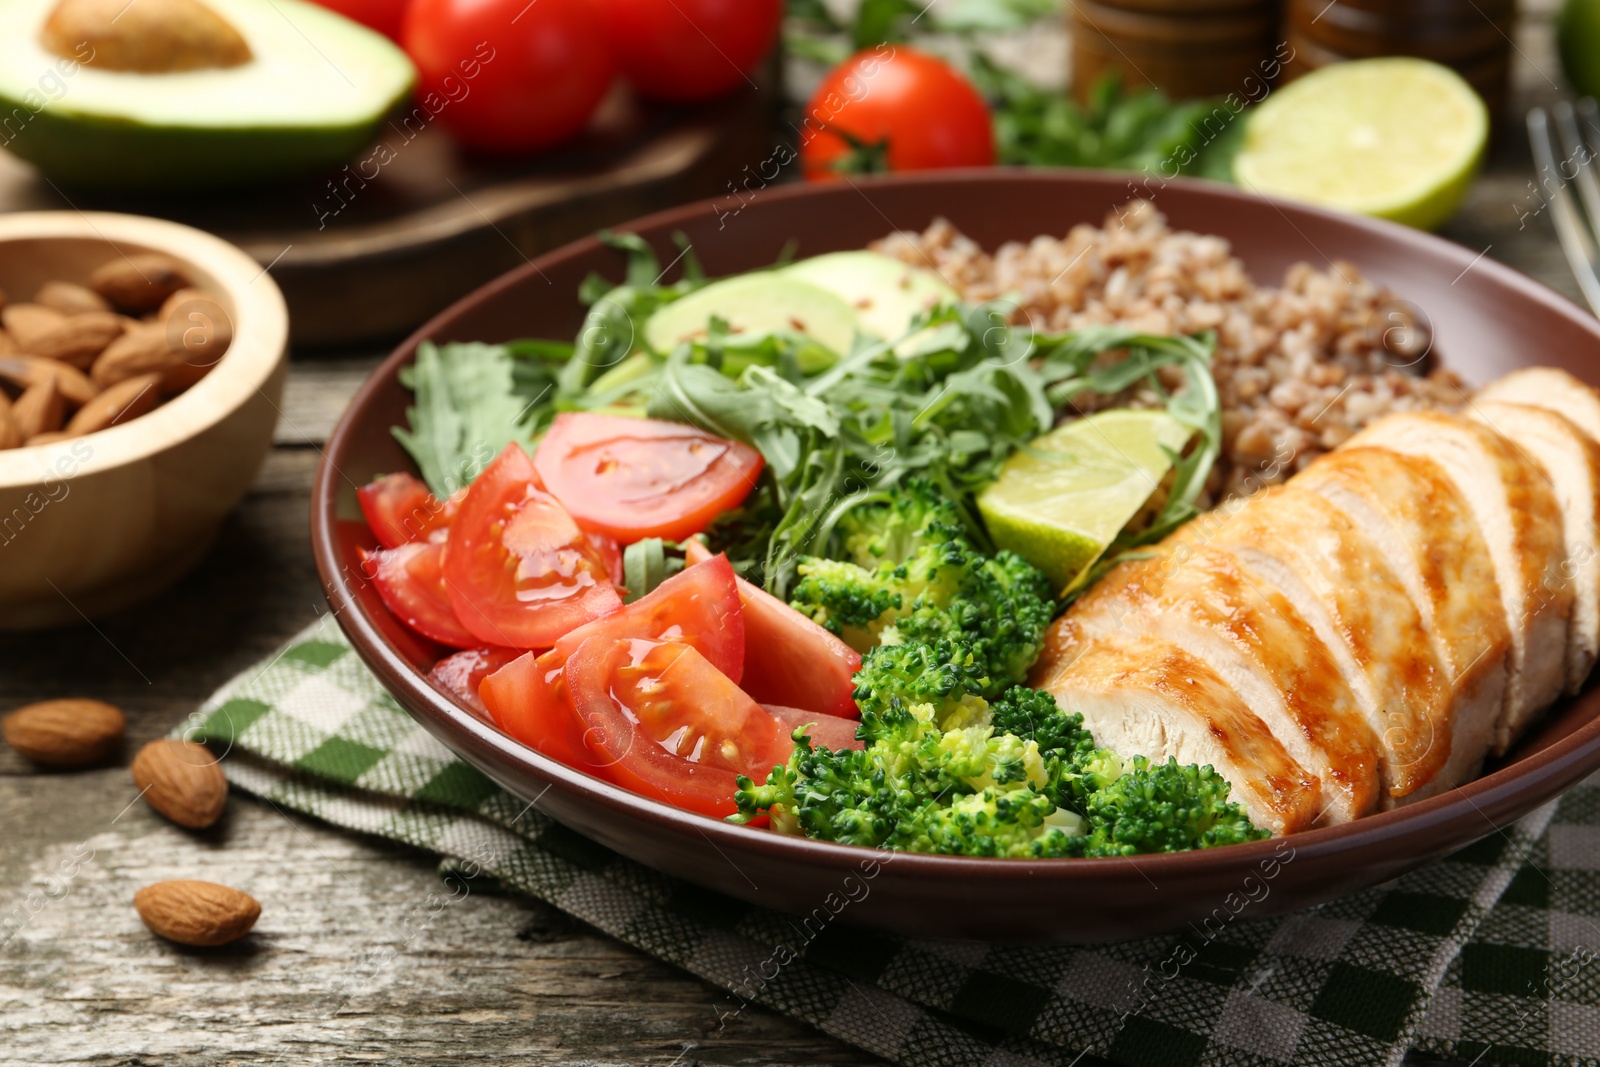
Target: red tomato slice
(699,606)
(527,698)
(789,659)
(519,571)
(635,478)
(459,675)
(610,554)
(410,580)
(400,509)
(668,724)
(825,731)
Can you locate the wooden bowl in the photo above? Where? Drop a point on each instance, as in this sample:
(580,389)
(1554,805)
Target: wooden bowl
(1482,316)
(94,524)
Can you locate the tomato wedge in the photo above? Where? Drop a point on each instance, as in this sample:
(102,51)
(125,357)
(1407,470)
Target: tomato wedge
(519,571)
(789,659)
(825,731)
(634,478)
(411,582)
(669,725)
(610,555)
(459,675)
(527,698)
(400,509)
(699,606)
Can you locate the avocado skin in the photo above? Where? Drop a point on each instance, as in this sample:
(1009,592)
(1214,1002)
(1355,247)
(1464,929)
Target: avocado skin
(94,152)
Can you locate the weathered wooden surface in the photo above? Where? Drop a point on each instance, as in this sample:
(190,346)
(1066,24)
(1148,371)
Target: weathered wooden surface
(346,964)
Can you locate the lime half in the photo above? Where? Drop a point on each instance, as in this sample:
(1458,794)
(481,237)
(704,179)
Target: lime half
(1063,500)
(1398,138)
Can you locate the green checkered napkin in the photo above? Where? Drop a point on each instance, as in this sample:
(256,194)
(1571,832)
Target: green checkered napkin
(1488,953)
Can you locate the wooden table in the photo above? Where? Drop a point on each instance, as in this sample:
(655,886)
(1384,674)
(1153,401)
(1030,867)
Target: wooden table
(338,969)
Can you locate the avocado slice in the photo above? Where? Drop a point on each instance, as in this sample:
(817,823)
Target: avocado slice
(885,293)
(757,307)
(274,88)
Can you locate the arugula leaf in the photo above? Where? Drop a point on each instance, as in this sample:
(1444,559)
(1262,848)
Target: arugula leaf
(467,409)
(645,565)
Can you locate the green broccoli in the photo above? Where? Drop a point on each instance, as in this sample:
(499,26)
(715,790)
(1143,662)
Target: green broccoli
(960,776)
(915,578)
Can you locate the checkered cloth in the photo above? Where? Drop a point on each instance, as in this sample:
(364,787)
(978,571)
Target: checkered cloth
(1486,954)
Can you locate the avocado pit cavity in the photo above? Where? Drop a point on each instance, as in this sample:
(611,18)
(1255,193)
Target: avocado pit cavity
(143,36)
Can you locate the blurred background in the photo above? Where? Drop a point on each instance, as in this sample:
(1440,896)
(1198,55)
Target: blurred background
(384,157)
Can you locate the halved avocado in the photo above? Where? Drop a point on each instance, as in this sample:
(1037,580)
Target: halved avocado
(885,293)
(275,88)
(757,306)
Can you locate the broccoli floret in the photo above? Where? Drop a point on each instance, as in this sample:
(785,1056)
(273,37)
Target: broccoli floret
(891,528)
(943,675)
(930,586)
(1162,807)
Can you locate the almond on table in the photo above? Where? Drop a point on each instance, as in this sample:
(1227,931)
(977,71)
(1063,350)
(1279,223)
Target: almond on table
(72,732)
(203,914)
(182,780)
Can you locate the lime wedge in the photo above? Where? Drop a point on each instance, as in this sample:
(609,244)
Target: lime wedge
(1063,500)
(1397,138)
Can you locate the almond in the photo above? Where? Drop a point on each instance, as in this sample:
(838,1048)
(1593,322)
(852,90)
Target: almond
(25,371)
(39,409)
(198,326)
(79,339)
(142,350)
(10,436)
(26,323)
(196,913)
(70,299)
(183,781)
(7,345)
(138,283)
(47,439)
(121,403)
(65,733)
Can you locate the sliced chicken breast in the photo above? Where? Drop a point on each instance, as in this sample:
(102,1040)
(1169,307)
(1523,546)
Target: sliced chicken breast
(1551,389)
(1571,463)
(1199,600)
(1516,510)
(1141,695)
(1411,511)
(1295,542)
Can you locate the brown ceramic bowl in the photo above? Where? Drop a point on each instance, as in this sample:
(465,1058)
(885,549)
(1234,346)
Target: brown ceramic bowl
(1486,319)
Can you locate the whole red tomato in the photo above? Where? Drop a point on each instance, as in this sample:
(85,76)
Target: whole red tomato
(509,75)
(903,109)
(691,50)
(385,16)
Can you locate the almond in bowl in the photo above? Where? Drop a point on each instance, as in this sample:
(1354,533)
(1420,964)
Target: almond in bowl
(141,368)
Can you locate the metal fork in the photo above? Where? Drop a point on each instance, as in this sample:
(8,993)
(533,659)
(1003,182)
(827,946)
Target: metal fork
(1579,132)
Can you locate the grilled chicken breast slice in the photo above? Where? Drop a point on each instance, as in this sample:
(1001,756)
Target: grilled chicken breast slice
(1139,694)
(1412,512)
(1571,464)
(1551,389)
(1295,542)
(1517,513)
(1199,600)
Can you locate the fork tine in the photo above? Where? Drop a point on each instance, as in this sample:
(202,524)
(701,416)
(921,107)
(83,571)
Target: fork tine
(1576,150)
(1576,240)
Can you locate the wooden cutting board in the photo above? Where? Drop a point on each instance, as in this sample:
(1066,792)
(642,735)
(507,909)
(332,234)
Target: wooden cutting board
(370,252)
